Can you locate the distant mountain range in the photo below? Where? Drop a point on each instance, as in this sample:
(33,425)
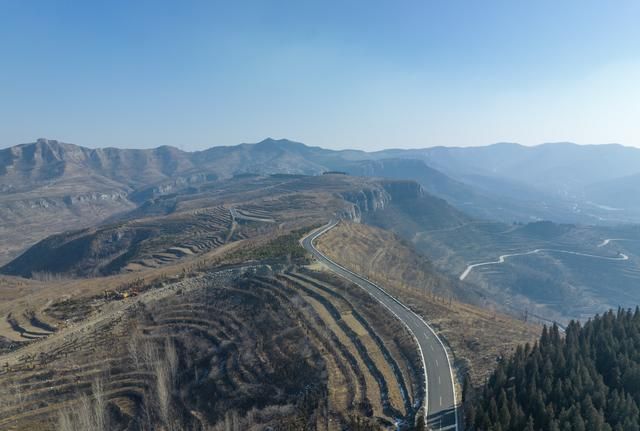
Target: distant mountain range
(79,186)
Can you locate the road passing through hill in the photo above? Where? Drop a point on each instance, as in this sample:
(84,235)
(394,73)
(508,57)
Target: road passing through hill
(440,405)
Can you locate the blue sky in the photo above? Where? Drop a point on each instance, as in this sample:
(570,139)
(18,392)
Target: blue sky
(338,74)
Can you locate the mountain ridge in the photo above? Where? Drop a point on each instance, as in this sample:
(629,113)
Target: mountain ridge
(79,186)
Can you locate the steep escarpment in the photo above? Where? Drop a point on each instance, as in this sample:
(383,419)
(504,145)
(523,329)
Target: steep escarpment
(24,166)
(378,195)
(400,206)
(364,200)
(47,186)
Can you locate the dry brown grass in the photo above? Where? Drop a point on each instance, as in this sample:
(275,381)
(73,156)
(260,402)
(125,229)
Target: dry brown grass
(19,295)
(373,389)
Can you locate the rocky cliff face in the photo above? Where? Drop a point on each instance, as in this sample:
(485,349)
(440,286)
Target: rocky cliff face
(48,187)
(403,190)
(378,196)
(45,161)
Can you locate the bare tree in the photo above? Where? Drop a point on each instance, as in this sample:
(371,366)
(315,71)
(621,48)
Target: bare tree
(99,405)
(85,414)
(134,348)
(66,421)
(231,421)
(165,369)
(14,397)
(171,358)
(90,413)
(163,391)
(149,355)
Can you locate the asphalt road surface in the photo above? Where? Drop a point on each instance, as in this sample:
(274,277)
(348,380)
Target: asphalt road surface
(440,407)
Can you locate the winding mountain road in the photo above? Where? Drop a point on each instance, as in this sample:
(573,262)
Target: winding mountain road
(440,406)
(608,241)
(502,258)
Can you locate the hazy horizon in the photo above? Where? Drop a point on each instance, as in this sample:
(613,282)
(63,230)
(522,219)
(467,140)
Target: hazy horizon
(320,146)
(362,75)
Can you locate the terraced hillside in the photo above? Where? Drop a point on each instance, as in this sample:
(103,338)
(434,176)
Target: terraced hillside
(126,246)
(250,347)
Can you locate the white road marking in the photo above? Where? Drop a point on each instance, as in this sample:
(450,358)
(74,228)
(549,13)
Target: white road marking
(436,362)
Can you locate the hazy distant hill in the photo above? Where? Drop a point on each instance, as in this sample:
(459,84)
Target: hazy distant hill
(618,194)
(541,165)
(480,196)
(48,186)
(45,162)
(48,161)
(569,182)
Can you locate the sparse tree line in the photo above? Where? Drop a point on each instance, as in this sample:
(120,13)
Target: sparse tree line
(585,379)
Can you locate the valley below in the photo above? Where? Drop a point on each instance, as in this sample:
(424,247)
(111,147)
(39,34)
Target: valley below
(557,272)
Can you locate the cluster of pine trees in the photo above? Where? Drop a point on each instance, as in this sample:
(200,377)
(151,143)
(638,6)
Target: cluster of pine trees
(585,379)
